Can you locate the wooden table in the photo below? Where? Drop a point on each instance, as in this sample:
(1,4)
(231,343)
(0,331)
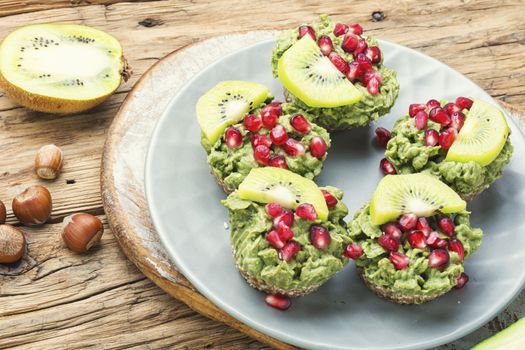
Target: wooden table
(57,299)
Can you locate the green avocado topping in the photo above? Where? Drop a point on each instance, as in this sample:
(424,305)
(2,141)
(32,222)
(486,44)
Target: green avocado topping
(417,279)
(310,266)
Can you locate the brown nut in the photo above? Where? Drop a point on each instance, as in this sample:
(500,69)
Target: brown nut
(33,206)
(12,244)
(48,162)
(3,212)
(82,231)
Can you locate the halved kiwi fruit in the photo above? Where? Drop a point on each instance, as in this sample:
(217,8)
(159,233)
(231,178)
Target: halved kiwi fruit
(226,104)
(61,68)
(482,137)
(276,185)
(421,194)
(311,77)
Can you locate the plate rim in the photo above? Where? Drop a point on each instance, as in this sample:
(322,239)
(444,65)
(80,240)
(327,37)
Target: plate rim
(232,311)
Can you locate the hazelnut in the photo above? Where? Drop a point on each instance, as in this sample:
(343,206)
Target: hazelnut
(12,244)
(3,213)
(48,162)
(82,231)
(33,206)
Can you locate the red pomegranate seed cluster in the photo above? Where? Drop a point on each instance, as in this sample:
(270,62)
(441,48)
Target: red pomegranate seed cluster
(450,117)
(266,134)
(364,57)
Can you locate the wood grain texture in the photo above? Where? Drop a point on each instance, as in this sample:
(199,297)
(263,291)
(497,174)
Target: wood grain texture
(59,300)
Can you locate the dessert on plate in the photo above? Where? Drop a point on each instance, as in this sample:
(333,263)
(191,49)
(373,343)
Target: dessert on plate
(464,143)
(411,240)
(243,129)
(333,72)
(288,235)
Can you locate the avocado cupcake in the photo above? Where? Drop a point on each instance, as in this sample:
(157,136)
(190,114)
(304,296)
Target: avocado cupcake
(240,133)
(333,72)
(288,235)
(412,238)
(465,143)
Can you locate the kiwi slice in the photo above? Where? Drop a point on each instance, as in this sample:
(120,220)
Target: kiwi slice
(482,137)
(60,68)
(276,185)
(311,77)
(226,104)
(421,194)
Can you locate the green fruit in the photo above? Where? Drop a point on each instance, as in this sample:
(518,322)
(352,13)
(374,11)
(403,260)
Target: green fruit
(276,185)
(482,137)
(61,68)
(511,338)
(421,194)
(226,104)
(309,75)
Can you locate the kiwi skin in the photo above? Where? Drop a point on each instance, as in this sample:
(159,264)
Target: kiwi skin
(47,104)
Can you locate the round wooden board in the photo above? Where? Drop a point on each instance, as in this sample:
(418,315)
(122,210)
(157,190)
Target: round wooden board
(122,177)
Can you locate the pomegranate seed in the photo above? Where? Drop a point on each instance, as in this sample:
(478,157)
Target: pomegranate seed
(338,62)
(252,123)
(289,250)
(331,201)
(438,258)
(423,226)
(364,63)
(464,102)
(382,136)
(278,134)
(349,43)
(301,124)
(318,147)
(457,120)
(433,239)
(260,140)
(325,44)
(356,29)
(374,54)
(233,138)
(417,239)
(353,251)
(340,29)
(320,237)
(304,30)
(354,71)
(439,115)
(293,148)
(447,138)
(276,105)
(431,104)
(451,108)
(284,231)
(273,238)
(373,86)
(414,108)
(361,47)
(462,281)
(447,226)
(286,217)
(392,229)
(278,162)
(399,260)
(306,211)
(431,137)
(274,209)
(386,167)
(371,74)
(408,221)
(277,301)
(455,245)
(388,243)
(261,154)
(421,120)
(269,116)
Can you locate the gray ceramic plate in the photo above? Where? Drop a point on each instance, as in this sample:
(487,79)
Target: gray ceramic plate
(184,204)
